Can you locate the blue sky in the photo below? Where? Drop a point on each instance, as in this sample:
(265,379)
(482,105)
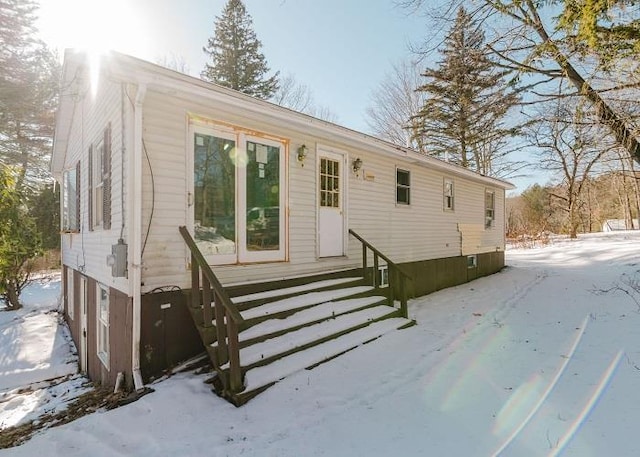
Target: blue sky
(340,49)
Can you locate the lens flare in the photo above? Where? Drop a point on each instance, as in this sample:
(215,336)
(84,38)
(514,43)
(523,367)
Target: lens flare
(592,401)
(543,397)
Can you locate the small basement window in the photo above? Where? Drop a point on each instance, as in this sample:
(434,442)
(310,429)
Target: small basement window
(403,187)
(383,276)
(472,261)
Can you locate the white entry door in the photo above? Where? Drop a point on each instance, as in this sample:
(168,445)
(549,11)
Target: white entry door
(331,212)
(83,325)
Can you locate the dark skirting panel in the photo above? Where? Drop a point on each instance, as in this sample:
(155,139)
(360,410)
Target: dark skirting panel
(436,274)
(167,335)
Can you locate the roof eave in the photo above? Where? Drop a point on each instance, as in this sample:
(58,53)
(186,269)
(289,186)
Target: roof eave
(64,114)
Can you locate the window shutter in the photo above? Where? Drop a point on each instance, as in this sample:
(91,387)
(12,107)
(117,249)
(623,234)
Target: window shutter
(77,215)
(106,179)
(90,188)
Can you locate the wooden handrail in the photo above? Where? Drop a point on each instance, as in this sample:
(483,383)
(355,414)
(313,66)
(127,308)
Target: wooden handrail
(224,311)
(380,254)
(210,275)
(393,269)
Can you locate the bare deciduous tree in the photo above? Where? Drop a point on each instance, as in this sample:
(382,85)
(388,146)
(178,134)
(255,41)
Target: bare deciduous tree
(533,44)
(174,62)
(570,144)
(299,97)
(394,103)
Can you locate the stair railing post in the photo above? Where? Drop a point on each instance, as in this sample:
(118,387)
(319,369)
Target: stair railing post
(390,287)
(403,297)
(375,270)
(195,282)
(207,298)
(235,371)
(221,330)
(364,262)
(216,304)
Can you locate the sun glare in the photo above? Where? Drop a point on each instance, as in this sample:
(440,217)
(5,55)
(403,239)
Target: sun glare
(95,26)
(92,25)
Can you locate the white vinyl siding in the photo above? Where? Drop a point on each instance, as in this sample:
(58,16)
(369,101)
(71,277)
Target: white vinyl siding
(426,232)
(87,251)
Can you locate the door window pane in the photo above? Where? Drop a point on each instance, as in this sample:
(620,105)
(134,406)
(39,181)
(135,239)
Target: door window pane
(263,197)
(329,183)
(214,194)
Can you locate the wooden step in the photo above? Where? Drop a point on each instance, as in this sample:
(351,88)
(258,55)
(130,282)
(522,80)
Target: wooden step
(287,306)
(259,377)
(267,351)
(309,316)
(251,300)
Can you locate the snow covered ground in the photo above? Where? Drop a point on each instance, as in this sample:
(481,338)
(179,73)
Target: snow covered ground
(37,366)
(540,359)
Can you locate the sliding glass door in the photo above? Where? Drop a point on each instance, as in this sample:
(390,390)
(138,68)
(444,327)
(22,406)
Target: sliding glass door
(237,202)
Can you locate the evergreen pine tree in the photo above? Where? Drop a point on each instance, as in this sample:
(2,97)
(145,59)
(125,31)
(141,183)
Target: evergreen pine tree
(235,57)
(29,75)
(466,102)
(19,239)
(44,209)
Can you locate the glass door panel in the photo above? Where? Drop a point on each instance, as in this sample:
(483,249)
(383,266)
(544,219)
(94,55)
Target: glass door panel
(263,197)
(329,183)
(214,195)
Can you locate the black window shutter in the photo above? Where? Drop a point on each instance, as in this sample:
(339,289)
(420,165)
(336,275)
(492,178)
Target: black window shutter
(77,215)
(90,188)
(106,179)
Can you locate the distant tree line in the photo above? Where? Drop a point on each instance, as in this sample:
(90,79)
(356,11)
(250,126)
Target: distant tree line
(543,210)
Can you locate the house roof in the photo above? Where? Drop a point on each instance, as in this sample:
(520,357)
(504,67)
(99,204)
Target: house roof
(124,68)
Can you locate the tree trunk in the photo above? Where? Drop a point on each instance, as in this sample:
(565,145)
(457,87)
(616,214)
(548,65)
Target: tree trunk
(12,298)
(605,113)
(636,191)
(573,221)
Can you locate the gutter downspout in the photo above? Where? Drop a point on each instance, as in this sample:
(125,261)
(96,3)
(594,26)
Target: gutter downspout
(135,266)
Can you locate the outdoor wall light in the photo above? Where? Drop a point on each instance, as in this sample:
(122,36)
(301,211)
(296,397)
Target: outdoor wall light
(302,153)
(357,165)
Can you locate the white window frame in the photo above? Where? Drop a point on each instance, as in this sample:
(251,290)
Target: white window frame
(448,195)
(97,174)
(70,294)
(403,186)
(102,323)
(241,137)
(489,208)
(69,201)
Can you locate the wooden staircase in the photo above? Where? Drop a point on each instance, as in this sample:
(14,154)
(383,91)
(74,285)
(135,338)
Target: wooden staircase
(255,340)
